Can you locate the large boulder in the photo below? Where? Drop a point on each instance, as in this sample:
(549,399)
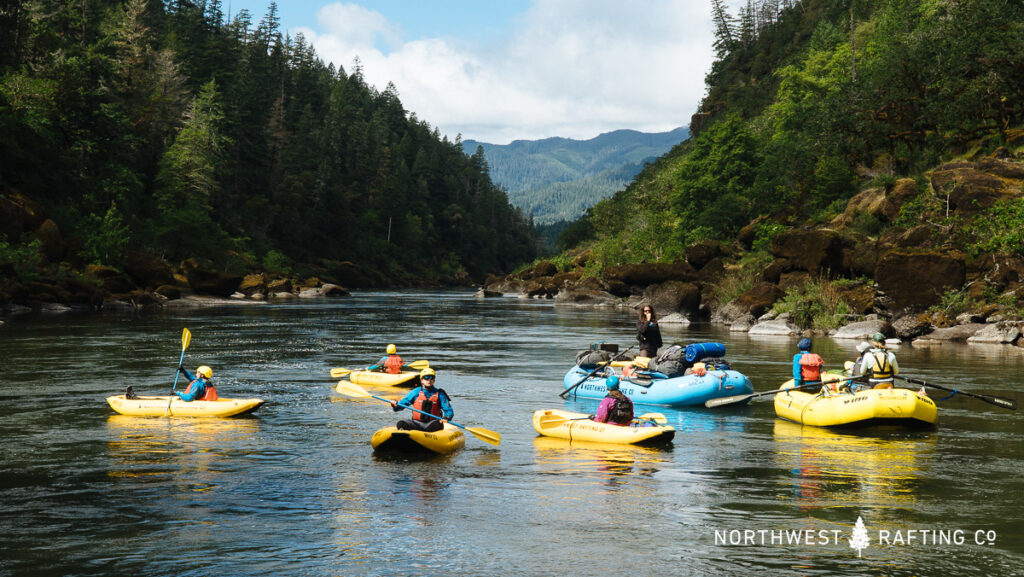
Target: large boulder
(673,296)
(910,327)
(650,273)
(542,268)
(19,214)
(701,253)
(881,203)
(757,300)
(1001,333)
(858,295)
(109,278)
(587,297)
(959,333)
(146,269)
(915,280)
(252,284)
(206,281)
(774,327)
(974,186)
(862,330)
(814,251)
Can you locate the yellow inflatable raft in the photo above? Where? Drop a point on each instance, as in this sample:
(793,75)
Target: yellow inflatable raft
(382,379)
(158,407)
(578,427)
(444,441)
(866,407)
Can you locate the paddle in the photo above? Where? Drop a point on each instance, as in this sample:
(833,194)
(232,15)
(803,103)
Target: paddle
(553,420)
(711,403)
(418,365)
(354,390)
(992,400)
(593,372)
(186,338)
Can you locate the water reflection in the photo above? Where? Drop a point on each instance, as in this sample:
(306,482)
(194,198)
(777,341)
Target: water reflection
(830,469)
(612,462)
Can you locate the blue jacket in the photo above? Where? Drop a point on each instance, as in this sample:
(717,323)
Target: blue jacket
(446,406)
(196,388)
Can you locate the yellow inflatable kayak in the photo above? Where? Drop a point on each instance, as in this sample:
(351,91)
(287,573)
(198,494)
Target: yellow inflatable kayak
(382,379)
(157,407)
(447,440)
(866,407)
(578,427)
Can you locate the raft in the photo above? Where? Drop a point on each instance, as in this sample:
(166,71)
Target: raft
(578,427)
(382,379)
(866,407)
(157,407)
(447,440)
(684,391)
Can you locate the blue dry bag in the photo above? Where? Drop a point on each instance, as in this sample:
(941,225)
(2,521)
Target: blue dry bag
(698,351)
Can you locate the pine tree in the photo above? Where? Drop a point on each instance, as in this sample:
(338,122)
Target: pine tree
(859,540)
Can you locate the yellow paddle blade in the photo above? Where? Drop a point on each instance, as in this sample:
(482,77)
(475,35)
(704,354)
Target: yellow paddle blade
(338,373)
(485,435)
(352,390)
(186,338)
(419,365)
(656,417)
(551,421)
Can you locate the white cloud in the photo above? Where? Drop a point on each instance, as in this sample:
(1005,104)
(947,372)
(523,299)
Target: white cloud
(571,68)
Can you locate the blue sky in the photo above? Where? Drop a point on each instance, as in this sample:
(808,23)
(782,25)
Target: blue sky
(501,70)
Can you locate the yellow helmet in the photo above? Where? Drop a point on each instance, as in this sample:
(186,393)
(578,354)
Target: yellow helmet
(392,349)
(427,372)
(205,372)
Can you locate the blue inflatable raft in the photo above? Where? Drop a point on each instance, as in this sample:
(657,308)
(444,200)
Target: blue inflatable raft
(684,391)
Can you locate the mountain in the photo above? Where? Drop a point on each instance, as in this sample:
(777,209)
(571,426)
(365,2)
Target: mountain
(559,178)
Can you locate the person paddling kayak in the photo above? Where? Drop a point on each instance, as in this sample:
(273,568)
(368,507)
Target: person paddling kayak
(200,387)
(428,399)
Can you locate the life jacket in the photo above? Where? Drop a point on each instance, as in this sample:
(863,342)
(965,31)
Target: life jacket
(628,371)
(430,404)
(621,412)
(810,367)
(210,394)
(393,364)
(882,369)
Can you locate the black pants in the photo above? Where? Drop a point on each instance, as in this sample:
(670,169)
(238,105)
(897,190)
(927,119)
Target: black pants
(414,425)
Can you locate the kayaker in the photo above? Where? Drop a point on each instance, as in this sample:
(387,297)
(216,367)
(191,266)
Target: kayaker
(433,401)
(200,386)
(391,363)
(807,366)
(615,408)
(648,333)
(878,364)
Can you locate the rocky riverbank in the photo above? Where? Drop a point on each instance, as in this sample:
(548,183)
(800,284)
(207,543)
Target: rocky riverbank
(910,280)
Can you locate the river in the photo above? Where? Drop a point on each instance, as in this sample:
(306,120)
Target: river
(295,489)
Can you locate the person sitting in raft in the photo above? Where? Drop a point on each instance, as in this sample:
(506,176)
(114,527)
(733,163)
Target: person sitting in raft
(878,364)
(200,386)
(432,401)
(616,408)
(807,366)
(391,363)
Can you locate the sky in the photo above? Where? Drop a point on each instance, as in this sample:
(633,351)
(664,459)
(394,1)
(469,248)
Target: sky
(502,70)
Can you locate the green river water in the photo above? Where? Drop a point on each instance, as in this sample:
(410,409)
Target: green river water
(295,489)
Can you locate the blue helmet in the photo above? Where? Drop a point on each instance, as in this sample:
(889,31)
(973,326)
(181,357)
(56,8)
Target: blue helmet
(804,344)
(612,383)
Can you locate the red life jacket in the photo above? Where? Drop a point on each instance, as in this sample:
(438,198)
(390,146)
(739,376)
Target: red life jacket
(428,404)
(210,394)
(810,367)
(393,364)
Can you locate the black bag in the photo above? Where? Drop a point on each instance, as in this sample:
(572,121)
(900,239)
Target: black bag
(591,359)
(622,410)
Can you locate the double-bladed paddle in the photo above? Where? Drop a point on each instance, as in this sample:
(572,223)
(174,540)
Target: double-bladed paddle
(186,338)
(990,399)
(341,372)
(593,372)
(711,403)
(354,390)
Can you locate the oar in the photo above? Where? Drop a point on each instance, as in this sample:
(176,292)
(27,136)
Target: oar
(418,365)
(656,417)
(354,390)
(186,338)
(990,399)
(593,372)
(711,403)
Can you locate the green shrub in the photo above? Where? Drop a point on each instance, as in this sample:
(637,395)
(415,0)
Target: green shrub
(816,304)
(26,260)
(276,262)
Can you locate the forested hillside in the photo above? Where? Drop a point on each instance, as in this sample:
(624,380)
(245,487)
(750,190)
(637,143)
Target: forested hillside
(557,179)
(810,103)
(134,125)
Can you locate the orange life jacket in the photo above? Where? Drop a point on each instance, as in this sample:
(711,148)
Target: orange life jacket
(810,367)
(393,364)
(428,404)
(210,394)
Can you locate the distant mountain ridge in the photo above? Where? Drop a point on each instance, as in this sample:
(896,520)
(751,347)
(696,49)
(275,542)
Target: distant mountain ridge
(559,178)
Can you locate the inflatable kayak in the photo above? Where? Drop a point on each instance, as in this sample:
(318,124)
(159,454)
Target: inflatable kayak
(866,407)
(157,407)
(687,390)
(382,379)
(444,441)
(578,427)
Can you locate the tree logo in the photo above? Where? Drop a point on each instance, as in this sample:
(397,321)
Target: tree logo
(859,540)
